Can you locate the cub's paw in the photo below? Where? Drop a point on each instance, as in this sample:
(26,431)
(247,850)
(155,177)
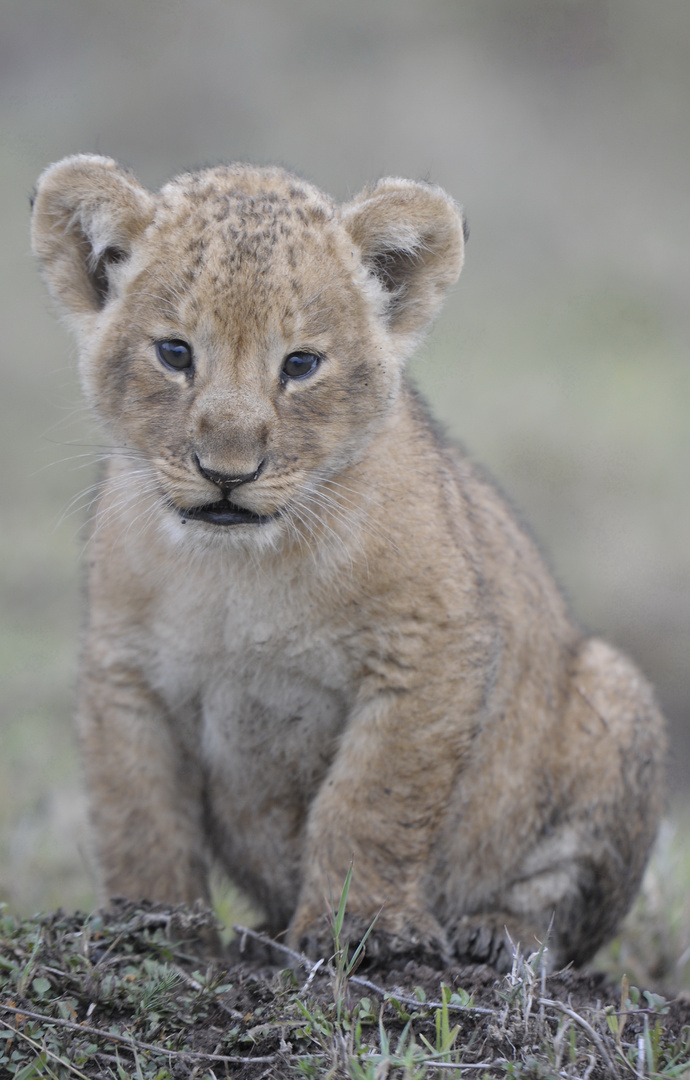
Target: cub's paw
(390,938)
(491,939)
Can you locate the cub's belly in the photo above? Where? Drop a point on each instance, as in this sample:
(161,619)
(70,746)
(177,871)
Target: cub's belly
(267,741)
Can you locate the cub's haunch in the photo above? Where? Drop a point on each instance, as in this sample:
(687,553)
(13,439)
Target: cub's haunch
(316,633)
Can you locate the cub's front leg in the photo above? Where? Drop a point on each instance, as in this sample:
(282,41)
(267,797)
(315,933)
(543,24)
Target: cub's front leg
(144,788)
(380,808)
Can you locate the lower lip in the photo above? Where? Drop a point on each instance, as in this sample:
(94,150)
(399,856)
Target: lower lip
(224,514)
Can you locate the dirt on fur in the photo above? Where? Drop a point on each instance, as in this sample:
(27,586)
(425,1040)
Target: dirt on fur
(126,993)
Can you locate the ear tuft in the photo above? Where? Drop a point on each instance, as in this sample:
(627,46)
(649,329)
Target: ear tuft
(87,213)
(411,237)
(99,271)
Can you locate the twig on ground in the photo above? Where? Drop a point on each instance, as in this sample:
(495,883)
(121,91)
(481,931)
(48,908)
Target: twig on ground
(44,1049)
(467,1065)
(115,942)
(405,1000)
(580,1020)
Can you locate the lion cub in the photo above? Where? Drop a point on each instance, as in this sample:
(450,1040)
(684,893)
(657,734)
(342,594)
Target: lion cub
(316,633)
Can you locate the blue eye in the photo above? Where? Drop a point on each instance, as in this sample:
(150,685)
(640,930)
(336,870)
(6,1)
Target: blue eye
(300,364)
(174,355)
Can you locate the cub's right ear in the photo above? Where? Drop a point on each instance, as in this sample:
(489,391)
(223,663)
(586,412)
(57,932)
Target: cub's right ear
(87,212)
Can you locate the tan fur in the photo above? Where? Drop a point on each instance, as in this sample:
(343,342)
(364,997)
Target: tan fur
(382,669)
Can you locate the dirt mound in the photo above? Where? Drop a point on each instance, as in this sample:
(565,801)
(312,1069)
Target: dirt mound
(125,994)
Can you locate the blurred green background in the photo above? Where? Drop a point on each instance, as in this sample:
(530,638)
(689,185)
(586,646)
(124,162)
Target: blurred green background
(561,360)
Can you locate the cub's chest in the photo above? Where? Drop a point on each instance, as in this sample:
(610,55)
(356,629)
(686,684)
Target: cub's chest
(253,657)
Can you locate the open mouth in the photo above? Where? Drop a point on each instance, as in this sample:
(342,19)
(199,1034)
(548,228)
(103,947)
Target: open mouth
(224,512)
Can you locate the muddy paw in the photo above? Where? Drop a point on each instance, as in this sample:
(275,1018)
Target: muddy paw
(491,939)
(421,939)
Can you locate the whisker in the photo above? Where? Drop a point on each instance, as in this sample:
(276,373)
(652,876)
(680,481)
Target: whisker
(304,500)
(288,515)
(360,506)
(90,458)
(339,512)
(125,497)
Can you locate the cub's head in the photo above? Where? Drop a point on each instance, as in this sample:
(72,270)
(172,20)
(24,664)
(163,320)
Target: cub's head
(239,333)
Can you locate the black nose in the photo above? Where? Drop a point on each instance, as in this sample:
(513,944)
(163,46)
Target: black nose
(226,482)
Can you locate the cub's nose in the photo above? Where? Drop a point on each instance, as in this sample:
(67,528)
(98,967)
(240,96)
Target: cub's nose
(225,481)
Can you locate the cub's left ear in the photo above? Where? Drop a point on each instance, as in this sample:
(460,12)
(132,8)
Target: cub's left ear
(412,238)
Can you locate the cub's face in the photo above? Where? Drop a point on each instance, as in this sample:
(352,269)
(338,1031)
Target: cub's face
(240,335)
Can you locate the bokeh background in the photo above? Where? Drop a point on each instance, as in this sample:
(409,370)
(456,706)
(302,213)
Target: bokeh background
(561,359)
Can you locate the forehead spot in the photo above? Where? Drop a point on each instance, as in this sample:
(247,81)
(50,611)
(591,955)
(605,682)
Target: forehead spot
(247,238)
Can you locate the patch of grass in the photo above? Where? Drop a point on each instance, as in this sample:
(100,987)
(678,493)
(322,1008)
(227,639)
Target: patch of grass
(124,995)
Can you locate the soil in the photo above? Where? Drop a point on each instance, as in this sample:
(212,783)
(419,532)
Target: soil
(127,990)
(484,1035)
